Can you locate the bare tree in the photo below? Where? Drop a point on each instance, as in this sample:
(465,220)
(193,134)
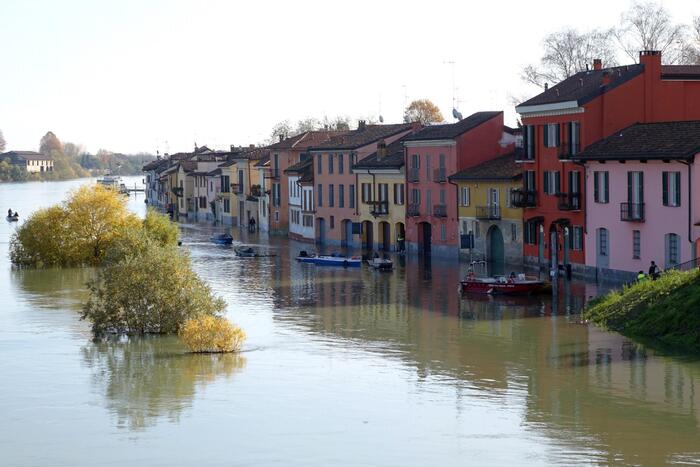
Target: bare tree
(281,130)
(2,142)
(690,51)
(569,51)
(647,25)
(307,124)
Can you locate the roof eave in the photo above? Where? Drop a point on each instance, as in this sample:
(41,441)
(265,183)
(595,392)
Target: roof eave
(554,106)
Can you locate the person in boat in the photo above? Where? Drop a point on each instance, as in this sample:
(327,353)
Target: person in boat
(9,213)
(654,271)
(512,277)
(641,277)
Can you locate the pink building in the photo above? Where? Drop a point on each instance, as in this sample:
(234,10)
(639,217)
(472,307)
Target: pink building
(432,155)
(642,198)
(335,190)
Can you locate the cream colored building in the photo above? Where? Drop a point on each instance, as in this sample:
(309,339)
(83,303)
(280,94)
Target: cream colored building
(32,162)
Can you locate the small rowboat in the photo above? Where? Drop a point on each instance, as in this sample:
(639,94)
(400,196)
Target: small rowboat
(381,264)
(14,218)
(502,286)
(222,239)
(248,252)
(330,260)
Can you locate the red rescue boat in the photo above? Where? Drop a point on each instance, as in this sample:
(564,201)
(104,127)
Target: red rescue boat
(519,285)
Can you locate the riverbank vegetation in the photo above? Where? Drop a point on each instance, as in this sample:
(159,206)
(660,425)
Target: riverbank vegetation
(73,161)
(144,284)
(665,311)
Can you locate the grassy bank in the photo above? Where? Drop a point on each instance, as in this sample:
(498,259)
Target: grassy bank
(664,312)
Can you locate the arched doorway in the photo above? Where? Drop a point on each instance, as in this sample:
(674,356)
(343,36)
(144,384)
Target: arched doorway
(496,253)
(385,236)
(321,230)
(400,236)
(367,235)
(425,237)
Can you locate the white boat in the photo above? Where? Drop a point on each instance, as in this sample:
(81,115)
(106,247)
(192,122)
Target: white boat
(330,260)
(381,264)
(114,182)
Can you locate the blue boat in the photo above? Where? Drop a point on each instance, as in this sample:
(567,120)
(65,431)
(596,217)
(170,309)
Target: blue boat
(334,259)
(222,239)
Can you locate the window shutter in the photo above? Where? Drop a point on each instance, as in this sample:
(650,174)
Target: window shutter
(545,182)
(596,187)
(557,182)
(526,139)
(678,188)
(664,183)
(606,186)
(545,128)
(557,137)
(629,187)
(641,187)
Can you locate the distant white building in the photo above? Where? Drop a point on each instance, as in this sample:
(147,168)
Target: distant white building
(301,201)
(31,161)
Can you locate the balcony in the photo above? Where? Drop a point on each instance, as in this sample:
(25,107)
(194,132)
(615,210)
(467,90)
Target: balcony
(380,208)
(413,210)
(522,198)
(521,155)
(569,201)
(632,212)
(413,175)
(566,150)
(439,175)
(492,212)
(440,210)
(273,173)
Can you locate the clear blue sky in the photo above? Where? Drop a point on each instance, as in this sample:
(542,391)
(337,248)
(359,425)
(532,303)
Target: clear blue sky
(132,75)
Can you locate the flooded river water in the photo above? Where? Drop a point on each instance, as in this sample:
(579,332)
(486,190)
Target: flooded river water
(341,367)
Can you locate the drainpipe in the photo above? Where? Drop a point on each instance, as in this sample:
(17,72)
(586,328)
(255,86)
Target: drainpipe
(690,203)
(459,240)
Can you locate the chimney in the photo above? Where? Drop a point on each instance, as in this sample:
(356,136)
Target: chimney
(251,146)
(605,80)
(597,64)
(546,86)
(233,148)
(651,59)
(381,150)
(361,125)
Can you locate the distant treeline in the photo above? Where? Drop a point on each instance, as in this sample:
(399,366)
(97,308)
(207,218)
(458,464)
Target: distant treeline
(72,161)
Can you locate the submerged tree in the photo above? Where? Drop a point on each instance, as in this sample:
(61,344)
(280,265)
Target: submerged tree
(423,111)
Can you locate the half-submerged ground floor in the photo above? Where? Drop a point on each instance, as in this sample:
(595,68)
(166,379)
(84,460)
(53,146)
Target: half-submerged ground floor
(379,234)
(431,235)
(496,241)
(555,241)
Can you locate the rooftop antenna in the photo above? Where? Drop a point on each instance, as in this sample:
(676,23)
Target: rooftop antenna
(405,96)
(455,113)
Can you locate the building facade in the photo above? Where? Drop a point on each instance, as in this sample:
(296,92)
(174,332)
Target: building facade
(431,156)
(32,162)
(491,228)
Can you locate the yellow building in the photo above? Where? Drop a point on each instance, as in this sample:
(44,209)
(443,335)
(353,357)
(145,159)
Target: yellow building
(490,227)
(246,184)
(381,198)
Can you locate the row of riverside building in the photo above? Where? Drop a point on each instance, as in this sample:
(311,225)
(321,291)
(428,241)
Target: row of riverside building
(599,180)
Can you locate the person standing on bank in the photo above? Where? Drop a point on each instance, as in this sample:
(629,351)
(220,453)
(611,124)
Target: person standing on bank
(654,271)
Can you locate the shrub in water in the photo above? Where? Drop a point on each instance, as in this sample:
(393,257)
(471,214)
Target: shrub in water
(211,334)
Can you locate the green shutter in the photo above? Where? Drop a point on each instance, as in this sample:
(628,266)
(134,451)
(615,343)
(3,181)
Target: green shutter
(545,182)
(596,187)
(629,187)
(606,187)
(664,183)
(546,136)
(678,188)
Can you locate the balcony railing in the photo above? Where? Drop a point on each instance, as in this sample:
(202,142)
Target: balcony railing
(632,212)
(522,198)
(492,212)
(568,150)
(413,175)
(413,210)
(440,210)
(439,175)
(569,201)
(380,208)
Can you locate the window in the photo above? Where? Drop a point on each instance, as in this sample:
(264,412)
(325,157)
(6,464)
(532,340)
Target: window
(513,232)
(341,196)
(225,183)
(464,196)
(340,164)
(276,192)
(603,242)
(383,192)
(428,175)
(551,135)
(398,194)
(529,180)
(442,196)
(319,196)
(577,238)
(671,188)
(332,222)
(240,181)
(443,232)
(635,187)
(429,202)
(415,161)
(227,205)
(319,164)
(202,202)
(415,196)
(351,194)
(277,216)
(636,244)
(476,230)
(366,192)
(530,234)
(509,197)
(331,196)
(601,187)
(672,250)
(574,137)
(330,163)
(552,182)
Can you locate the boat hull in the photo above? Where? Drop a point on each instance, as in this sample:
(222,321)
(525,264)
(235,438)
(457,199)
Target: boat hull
(502,288)
(331,261)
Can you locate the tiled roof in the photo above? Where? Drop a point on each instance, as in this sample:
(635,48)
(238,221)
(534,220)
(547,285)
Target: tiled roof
(27,155)
(307,175)
(214,173)
(306,139)
(452,130)
(664,140)
(156,164)
(188,166)
(265,160)
(299,166)
(361,137)
(585,86)
(392,160)
(499,168)
(680,71)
